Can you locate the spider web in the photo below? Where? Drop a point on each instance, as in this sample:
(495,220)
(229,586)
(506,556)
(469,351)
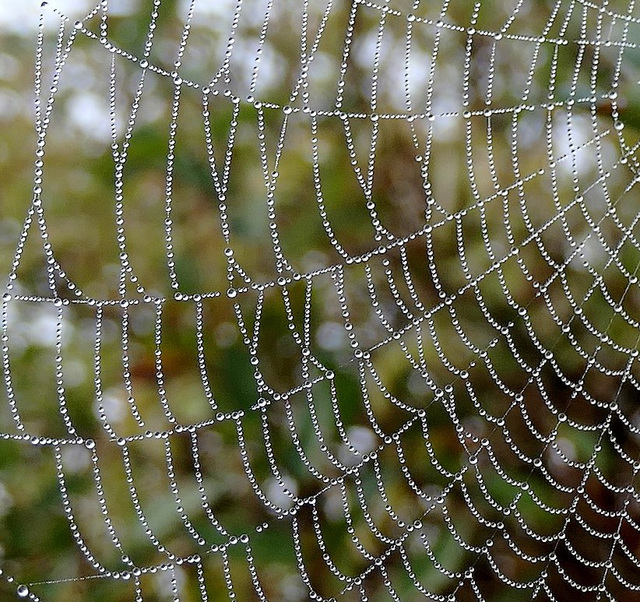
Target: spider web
(348,309)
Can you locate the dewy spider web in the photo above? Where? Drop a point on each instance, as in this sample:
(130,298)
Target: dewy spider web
(327,300)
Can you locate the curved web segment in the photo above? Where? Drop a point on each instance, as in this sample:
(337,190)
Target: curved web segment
(346,310)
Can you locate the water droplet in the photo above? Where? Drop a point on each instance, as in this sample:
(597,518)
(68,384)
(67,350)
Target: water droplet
(22,591)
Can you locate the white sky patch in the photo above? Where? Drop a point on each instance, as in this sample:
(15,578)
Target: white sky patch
(213,8)
(42,328)
(362,438)
(331,336)
(88,111)
(114,405)
(278,495)
(569,138)
(22,17)
(75,458)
